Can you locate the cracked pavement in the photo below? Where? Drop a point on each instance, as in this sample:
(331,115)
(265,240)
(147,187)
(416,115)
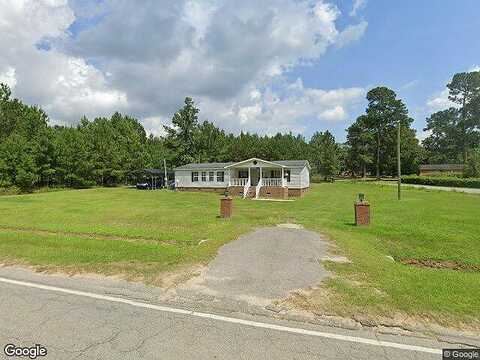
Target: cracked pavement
(74,327)
(235,285)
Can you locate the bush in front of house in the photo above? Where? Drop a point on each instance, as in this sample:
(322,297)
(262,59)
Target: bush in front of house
(450,181)
(472,167)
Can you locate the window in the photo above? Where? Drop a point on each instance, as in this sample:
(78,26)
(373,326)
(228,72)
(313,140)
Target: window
(211,176)
(243,174)
(275,174)
(286,174)
(204,176)
(194,176)
(220,176)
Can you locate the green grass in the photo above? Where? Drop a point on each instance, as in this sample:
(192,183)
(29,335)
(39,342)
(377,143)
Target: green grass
(144,232)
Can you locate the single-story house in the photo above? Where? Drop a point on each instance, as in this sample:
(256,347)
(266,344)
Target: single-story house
(254,178)
(440,169)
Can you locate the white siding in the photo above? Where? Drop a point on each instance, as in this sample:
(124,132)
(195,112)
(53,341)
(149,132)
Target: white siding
(299,178)
(183,178)
(305,178)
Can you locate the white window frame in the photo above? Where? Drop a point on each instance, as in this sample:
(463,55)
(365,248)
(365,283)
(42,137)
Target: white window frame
(194,176)
(221,178)
(204,176)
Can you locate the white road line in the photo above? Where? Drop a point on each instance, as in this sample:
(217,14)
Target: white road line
(227,319)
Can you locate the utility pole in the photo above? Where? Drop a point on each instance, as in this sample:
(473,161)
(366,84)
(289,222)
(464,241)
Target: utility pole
(165,177)
(399,165)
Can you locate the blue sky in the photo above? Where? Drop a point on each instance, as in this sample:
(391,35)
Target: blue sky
(413,47)
(258,66)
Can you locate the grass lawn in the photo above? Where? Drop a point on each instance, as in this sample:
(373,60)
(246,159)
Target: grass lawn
(141,233)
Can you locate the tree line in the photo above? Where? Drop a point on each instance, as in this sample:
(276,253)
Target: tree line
(111,151)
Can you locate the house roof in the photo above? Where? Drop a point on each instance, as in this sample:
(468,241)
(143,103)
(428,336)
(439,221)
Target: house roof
(445,167)
(255,161)
(194,166)
(293,163)
(219,165)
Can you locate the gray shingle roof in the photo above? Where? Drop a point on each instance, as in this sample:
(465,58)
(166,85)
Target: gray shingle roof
(203,166)
(194,166)
(292,163)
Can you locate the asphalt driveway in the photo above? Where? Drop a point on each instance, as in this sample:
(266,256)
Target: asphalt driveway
(264,265)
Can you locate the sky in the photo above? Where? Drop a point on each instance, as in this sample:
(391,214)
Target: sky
(257,65)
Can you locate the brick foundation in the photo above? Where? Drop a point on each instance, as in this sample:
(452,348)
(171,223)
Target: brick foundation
(269,192)
(202,189)
(273,192)
(297,192)
(235,190)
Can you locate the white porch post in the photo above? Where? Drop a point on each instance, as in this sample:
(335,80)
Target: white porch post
(249,180)
(229,177)
(283,178)
(260,170)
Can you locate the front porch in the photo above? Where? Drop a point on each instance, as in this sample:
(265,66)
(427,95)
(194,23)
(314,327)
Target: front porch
(257,178)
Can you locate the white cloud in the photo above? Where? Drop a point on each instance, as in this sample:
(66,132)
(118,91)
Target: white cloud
(357,5)
(66,86)
(423,134)
(335,114)
(293,108)
(154,125)
(474,68)
(351,33)
(410,85)
(8,77)
(230,56)
(440,101)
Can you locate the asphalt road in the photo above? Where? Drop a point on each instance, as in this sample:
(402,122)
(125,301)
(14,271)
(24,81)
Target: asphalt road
(76,324)
(221,314)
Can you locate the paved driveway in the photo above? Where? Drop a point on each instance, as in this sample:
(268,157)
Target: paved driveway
(263,265)
(99,318)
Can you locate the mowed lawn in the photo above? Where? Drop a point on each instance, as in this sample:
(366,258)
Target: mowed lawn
(141,233)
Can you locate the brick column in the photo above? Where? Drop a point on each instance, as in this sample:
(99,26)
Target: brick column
(362,213)
(226,207)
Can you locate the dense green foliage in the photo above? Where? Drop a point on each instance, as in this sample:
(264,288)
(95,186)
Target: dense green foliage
(99,152)
(325,156)
(472,167)
(451,181)
(454,132)
(115,150)
(372,138)
(111,151)
(119,230)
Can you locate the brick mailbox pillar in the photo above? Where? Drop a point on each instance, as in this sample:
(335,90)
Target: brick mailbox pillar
(226,207)
(362,213)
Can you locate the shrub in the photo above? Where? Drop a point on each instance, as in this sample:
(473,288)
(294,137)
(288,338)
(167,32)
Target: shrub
(442,181)
(472,167)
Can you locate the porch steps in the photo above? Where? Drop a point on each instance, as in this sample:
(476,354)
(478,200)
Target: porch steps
(251,192)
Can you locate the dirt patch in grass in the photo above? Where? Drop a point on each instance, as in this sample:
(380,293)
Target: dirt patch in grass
(327,306)
(435,264)
(85,235)
(149,273)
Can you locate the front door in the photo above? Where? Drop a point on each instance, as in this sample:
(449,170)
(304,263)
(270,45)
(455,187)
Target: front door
(254,176)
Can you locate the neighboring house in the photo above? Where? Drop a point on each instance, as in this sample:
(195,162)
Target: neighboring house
(441,169)
(249,178)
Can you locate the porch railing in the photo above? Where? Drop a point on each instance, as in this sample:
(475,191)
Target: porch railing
(257,189)
(272,182)
(238,181)
(246,188)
